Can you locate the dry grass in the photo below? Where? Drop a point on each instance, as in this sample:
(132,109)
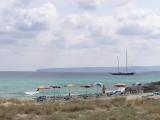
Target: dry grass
(114,109)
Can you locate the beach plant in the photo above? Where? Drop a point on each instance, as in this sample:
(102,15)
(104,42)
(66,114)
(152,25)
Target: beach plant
(117,108)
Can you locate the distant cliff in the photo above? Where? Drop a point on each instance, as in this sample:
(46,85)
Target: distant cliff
(137,69)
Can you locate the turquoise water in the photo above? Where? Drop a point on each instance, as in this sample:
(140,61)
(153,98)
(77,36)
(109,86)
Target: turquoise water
(15,84)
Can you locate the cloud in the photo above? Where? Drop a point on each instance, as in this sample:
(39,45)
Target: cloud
(90,4)
(121,3)
(26,23)
(36,18)
(93,4)
(37,34)
(133,30)
(80,31)
(142,23)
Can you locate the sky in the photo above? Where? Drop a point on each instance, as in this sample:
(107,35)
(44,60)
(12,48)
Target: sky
(78,33)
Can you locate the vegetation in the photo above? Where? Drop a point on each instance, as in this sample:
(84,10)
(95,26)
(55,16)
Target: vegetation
(113,109)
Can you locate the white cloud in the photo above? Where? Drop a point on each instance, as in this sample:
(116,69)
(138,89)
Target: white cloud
(121,3)
(21,24)
(36,18)
(90,4)
(38,35)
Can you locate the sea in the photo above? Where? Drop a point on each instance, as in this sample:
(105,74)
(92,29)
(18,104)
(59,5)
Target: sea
(23,85)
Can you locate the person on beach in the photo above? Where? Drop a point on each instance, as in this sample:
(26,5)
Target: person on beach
(103,89)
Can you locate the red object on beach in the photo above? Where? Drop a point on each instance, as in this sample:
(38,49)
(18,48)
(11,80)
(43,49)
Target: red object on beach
(120,85)
(54,86)
(42,88)
(87,86)
(47,87)
(51,87)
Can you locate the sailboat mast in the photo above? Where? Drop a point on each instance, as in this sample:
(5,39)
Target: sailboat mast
(118,63)
(126,63)
(125,68)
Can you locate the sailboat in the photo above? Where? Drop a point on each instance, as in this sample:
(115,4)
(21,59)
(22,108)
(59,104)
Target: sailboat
(123,73)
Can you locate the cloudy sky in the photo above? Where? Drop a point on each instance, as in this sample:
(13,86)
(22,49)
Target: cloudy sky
(78,33)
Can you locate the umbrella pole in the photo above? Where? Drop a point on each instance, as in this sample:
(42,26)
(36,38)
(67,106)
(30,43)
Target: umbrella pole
(86,91)
(42,92)
(54,93)
(69,92)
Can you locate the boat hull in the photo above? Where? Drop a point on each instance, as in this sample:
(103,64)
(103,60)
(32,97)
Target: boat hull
(131,73)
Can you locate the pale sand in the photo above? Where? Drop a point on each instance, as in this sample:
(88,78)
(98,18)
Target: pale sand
(104,97)
(133,97)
